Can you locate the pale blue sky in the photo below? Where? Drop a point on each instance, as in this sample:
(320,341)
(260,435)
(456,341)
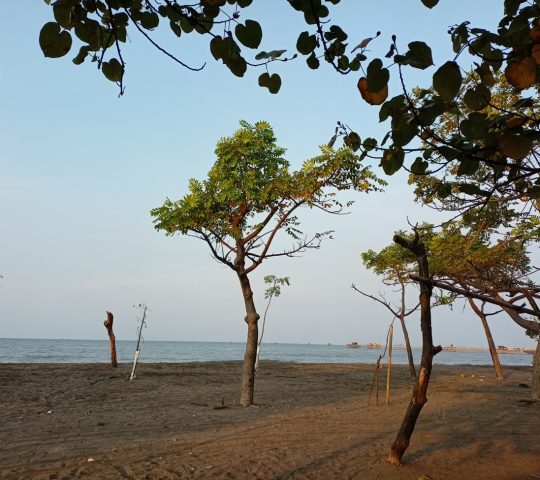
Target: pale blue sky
(80,169)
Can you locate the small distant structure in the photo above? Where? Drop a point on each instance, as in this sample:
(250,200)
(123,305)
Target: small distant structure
(351,345)
(374,346)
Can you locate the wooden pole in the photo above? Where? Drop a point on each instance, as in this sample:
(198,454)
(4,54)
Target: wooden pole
(112,340)
(138,348)
(389,368)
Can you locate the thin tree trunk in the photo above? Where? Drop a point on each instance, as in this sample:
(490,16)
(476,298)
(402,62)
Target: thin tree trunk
(491,343)
(112,340)
(536,373)
(419,395)
(250,355)
(389,367)
(412,370)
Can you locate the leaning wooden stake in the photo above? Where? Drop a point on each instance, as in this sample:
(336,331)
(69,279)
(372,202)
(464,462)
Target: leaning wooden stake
(419,395)
(138,348)
(389,368)
(112,340)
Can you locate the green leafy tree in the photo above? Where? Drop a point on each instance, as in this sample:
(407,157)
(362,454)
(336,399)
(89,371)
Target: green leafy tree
(248,198)
(486,268)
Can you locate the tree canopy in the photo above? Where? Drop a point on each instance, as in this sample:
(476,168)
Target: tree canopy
(489,140)
(248,198)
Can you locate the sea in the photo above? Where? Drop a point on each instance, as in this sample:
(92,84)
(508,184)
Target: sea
(16,350)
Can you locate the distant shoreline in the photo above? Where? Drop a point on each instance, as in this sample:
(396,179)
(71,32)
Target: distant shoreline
(448,348)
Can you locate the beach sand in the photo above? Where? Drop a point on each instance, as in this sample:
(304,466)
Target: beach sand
(311,421)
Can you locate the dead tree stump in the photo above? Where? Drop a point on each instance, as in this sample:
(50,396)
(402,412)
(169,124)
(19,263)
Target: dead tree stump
(112,340)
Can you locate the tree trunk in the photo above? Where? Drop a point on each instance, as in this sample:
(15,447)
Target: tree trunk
(491,343)
(412,370)
(389,367)
(536,373)
(112,340)
(250,355)
(419,395)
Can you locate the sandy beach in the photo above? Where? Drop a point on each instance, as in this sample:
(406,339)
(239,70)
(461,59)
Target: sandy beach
(311,421)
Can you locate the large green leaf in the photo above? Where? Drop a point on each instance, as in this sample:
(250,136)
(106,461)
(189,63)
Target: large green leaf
(392,160)
(447,80)
(404,132)
(250,34)
(306,43)
(352,140)
(113,70)
(477,98)
(517,147)
(53,42)
(272,82)
(377,76)
(418,56)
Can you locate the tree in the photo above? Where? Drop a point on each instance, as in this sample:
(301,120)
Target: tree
(486,250)
(273,290)
(419,395)
(248,198)
(394,264)
(488,269)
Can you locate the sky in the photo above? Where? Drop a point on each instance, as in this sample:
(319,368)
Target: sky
(80,169)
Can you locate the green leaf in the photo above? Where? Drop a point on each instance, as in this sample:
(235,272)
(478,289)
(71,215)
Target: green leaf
(447,80)
(418,56)
(149,20)
(467,166)
(419,166)
(216,47)
(249,35)
(272,55)
(470,189)
(306,43)
(369,144)
(377,76)
(89,32)
(113,70)
(81,56)
(187,25)
(475,126)
(237,65)
(392,160)
(477,98)
(312,61)
(517,147)
(404,132)
(272,82)
(54,43)
(352,140)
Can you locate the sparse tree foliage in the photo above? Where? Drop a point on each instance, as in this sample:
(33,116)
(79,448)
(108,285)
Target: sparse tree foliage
(273,290)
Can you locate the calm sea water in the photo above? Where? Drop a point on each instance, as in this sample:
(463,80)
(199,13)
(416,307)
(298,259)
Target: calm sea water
(97,351)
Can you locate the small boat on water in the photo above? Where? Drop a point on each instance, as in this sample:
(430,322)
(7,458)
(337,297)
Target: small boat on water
(374,346)
(352,345)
